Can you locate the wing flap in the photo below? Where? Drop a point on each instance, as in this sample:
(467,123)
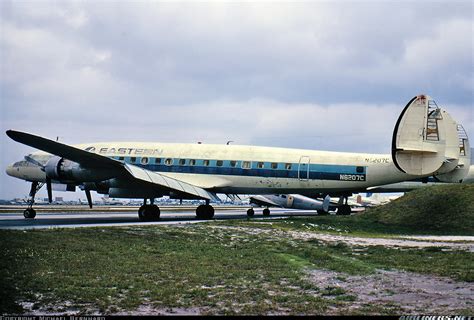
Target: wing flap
(169,183)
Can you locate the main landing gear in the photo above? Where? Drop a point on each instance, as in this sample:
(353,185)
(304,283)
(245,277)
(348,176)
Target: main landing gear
(29,212)
(149,212)
(344,209)
(205,211)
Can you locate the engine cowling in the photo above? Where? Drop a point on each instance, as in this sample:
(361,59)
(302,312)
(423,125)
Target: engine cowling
(64,170)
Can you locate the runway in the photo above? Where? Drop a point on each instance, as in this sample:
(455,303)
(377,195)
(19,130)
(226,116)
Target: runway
(75,219)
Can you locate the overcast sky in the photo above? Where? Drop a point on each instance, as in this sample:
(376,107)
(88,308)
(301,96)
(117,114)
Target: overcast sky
(319,75)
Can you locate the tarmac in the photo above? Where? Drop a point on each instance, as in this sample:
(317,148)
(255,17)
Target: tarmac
(77,217)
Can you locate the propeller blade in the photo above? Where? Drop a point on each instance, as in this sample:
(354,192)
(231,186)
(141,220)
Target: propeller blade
(50,191)
(89,198)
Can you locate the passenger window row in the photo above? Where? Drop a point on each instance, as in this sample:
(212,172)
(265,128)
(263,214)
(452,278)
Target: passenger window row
(206,163)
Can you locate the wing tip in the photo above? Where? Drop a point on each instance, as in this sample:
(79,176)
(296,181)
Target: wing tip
(12,134)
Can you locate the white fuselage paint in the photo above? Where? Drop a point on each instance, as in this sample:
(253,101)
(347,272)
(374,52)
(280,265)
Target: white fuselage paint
(378,168)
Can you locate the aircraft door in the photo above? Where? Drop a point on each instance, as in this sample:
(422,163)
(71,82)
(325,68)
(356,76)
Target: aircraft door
(303,168)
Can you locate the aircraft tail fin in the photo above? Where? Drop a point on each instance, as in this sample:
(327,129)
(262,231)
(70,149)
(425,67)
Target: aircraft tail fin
(425,139)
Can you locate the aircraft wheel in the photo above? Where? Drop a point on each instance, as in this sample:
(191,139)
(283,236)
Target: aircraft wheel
(344,210)
(154,212)
(250,212)
(205,211)
(149,213)
(29,213)
(266,212)
(141,213)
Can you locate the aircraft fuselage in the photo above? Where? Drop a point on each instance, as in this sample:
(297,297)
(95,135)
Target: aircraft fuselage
(241,169)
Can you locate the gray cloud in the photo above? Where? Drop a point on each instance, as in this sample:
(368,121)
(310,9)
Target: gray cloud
(322,75)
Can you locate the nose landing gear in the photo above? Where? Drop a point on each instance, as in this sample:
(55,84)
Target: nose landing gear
(29,212)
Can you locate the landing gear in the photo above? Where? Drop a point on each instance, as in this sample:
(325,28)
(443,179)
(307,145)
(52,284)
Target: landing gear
(343,209)
(266,212)
(250,212)
(29,212)
(149,212)
(205,211)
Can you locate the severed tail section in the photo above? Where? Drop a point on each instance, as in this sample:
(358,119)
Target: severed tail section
(426,140)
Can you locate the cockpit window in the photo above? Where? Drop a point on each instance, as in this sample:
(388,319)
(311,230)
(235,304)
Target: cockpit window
(22,163)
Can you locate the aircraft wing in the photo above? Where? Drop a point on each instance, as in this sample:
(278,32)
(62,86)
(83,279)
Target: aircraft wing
(84,158)
(123,170)
(263,201)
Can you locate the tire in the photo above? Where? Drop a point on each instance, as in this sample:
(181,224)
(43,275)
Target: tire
(344,210)
(205,211)
(155,212)
(322,213)
(250,212)
(29,213)
(142,213)
(266,212)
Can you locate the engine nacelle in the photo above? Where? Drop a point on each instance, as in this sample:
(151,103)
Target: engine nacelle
(64,170)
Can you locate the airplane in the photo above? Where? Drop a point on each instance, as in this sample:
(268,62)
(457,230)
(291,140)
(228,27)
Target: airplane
(291,201)
(426,141)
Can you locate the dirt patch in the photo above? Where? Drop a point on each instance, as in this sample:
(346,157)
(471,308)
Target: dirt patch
(408,292)
(443,242)
(146,310)
(411,242)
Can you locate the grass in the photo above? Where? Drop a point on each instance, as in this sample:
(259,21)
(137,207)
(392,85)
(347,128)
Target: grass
(216,268)
(441,209)
(228,267)
(173,267)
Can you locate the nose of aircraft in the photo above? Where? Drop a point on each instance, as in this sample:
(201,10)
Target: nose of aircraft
(10,170)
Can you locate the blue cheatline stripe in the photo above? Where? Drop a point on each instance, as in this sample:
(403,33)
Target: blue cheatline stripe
(316,171)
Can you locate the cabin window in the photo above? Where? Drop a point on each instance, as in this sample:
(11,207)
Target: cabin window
(169,161)
(233,163)
(158,160)
(133,159)
(288,166)
(144,160)
(260,165)
(206,163)
(182,162)
(246,164)
(360,169)
(274,165)
(283,196)
(219,163)
(121,158)
(192,162)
